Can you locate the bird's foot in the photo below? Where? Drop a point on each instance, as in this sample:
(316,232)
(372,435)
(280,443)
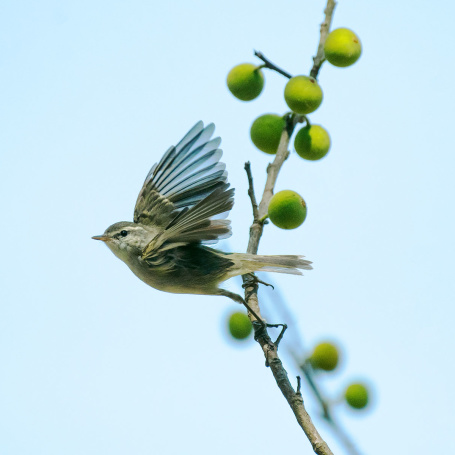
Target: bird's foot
(260,330)
(253,280)
(280,336)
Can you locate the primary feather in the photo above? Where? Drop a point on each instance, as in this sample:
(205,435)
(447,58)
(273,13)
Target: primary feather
(186,175)
(181,207)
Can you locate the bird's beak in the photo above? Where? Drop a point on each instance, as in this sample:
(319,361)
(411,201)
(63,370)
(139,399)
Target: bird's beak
(104,238)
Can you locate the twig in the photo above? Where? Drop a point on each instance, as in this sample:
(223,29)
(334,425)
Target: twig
(295,349)
(273,170)
(343,437)
(317,393)
(328,416)
(325,27)
(251,194)
(299,383)
(270,350)
(268,64)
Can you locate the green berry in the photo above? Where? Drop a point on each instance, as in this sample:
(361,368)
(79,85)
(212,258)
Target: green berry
(239,325)
(287,209)
(356,396)
(303,94)
(312,142)
(325,357)
(342,47)
(266,132)
(245,81)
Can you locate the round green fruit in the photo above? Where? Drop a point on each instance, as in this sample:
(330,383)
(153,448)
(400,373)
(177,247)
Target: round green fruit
(356,396)
(287,209)
(342,47)
(303,94)
(239,325)
(325,357)
(312,142)
(266,132)
(245,81)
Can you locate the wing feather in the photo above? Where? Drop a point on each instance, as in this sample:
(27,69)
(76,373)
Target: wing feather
(184,190)
(195,224)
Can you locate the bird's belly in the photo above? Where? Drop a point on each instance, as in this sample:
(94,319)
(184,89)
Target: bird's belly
(164,281)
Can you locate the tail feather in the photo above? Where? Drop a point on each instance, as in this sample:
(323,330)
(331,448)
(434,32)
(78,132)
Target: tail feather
(279,270)
(281,263)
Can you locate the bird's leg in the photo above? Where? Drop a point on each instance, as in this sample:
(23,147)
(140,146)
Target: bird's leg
(237,298)
(259,326)
(280,336)
(253,279)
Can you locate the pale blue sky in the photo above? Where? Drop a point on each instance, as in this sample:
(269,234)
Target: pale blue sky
(95,362)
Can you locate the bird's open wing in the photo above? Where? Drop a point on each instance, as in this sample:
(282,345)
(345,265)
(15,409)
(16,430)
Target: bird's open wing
(195,225)
(185,190)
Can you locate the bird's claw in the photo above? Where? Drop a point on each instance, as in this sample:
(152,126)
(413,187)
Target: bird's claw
(254,280)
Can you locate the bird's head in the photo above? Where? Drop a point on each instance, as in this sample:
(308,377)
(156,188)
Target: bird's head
(126,239)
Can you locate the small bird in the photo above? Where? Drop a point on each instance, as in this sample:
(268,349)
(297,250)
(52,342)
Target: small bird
(180,209)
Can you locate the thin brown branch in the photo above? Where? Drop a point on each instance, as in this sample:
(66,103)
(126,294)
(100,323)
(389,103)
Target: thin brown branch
(317,393)
(251,194)
(268,64)
(319,59)
(344,438)
(327,414)
(299,384)
(295,349)
(270,349)
(295,401)
(273,170)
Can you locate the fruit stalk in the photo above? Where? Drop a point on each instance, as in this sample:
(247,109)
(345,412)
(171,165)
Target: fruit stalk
(268,64)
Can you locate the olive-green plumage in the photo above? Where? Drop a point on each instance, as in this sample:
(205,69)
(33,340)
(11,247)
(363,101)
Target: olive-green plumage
(179,209)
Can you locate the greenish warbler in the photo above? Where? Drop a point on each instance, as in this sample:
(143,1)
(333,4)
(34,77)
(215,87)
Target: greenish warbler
(181,208)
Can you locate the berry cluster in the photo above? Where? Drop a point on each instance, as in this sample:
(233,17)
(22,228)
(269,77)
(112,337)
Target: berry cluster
(303,95)
(287,209)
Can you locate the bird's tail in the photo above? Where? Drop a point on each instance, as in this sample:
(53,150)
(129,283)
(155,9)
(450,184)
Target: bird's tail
(248,263)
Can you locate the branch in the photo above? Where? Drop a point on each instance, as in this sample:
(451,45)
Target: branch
(274,168)
(270,349)
(326,413)
(317,393)
(251,194)
(268,64)
(319,59)
(295,349)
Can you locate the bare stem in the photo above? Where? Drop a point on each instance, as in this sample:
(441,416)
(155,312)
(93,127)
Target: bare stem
(299,384)
(268,64)
(251,194)
(295,349)
(326,412)
(317,393)
(319,59)
(273,170)
(270,349)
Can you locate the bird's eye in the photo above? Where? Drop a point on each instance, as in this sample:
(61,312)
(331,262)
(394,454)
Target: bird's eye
(123,233)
